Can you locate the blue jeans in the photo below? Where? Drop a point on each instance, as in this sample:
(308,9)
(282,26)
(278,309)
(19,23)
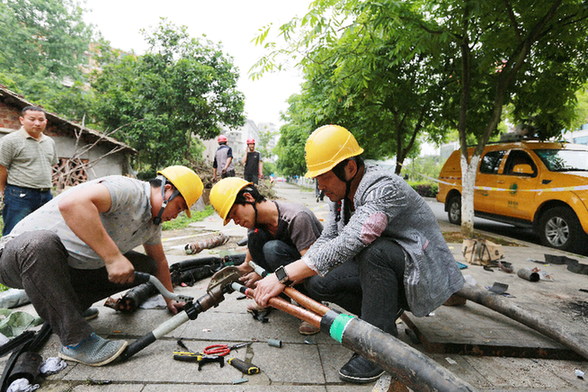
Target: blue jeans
(19,202)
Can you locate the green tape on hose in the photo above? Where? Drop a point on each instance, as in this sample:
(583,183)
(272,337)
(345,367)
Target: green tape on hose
(339,325)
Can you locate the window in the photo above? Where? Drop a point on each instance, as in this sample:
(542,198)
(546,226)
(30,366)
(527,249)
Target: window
(564,160)
(491,161)
(517,157)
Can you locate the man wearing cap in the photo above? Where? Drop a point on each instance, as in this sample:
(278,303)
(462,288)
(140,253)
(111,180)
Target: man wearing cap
(379,229)
(78,249)
(223,160)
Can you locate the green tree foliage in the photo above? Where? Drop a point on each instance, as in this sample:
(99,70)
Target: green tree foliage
(528,54)
(483,54)
(43,49)
(293,135)
(356,77)
(158,101)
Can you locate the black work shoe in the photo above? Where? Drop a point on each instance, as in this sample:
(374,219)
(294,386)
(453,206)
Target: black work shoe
(359,370)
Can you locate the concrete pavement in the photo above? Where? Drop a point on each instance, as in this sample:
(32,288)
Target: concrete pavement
(311,365)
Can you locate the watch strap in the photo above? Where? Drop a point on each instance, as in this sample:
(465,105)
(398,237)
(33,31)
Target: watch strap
(282,276)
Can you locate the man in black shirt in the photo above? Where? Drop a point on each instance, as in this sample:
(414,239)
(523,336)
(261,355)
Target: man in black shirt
(253,163)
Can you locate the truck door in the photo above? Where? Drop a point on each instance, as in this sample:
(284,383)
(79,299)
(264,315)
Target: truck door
(519,178)
(486,181)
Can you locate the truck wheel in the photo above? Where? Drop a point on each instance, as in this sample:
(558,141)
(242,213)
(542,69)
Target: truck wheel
(560,228)
(454,210)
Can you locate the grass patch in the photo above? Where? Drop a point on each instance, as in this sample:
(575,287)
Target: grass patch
(183,221)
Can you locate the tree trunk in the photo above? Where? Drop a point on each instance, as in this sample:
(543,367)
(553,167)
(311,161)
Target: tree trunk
(468,180)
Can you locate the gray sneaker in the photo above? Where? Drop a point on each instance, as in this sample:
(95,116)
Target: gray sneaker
(94,351)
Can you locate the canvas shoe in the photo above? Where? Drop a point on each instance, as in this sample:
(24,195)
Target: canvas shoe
(359,370)
(93,351)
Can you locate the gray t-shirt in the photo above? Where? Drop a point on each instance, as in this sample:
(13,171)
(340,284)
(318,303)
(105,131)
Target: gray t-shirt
(29,161)
(223,153)
(128,222)
(297,224)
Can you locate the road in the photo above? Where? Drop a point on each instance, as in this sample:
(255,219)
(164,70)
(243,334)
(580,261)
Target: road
(488,225)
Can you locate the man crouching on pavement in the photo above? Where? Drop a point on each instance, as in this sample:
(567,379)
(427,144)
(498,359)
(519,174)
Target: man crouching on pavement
(378,222)
(77,249)
(278,232)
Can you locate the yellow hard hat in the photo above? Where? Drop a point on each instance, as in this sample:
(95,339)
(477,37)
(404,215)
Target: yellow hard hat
(186,182)
(224,193)
(327,146)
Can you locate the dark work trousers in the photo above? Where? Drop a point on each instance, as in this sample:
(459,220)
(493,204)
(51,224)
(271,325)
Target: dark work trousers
(268,252)
(36,261)
(378,270)
(341,286)
(19,202)
(251,177)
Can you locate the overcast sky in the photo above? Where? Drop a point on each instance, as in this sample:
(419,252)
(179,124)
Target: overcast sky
(233,23)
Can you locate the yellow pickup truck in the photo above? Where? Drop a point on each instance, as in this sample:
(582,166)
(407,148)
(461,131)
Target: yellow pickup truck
(542,185)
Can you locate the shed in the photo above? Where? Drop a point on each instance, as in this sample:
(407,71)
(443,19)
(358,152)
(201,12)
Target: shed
(84,154)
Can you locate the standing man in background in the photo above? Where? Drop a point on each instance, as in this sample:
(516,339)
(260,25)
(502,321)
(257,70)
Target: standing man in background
(27,157)
(223,160)
(253,164)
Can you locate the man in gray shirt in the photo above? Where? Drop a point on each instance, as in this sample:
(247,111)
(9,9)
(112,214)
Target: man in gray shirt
(27,157)
(78,249)
(380,228)
(223,160)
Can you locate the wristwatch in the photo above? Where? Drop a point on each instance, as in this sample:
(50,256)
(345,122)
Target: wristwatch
(282,276)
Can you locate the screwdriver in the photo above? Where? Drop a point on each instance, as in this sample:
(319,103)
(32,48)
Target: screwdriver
(243,367)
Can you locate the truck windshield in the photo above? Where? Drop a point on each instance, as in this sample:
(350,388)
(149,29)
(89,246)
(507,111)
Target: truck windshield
(564,160)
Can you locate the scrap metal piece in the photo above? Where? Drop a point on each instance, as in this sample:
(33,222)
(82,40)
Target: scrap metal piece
(208,243)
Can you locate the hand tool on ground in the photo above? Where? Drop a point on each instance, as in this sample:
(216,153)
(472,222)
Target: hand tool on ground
(223,349)
(220,283)
(243,367)
(201,359)
(411,367)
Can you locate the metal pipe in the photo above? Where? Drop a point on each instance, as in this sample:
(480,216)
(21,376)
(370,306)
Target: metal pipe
(527,274)
(307,302)
(296,311)
(548,326)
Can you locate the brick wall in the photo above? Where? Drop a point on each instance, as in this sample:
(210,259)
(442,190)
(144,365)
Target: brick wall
(9,117)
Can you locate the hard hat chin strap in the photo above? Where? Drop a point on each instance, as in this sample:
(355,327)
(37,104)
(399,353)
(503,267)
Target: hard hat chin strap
(164,201)
(339,171)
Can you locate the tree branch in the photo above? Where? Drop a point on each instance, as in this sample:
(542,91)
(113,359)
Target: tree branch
(513,19)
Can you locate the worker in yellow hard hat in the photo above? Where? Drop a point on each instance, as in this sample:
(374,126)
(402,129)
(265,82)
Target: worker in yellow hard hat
(279,232)
(78,249)
(381,231)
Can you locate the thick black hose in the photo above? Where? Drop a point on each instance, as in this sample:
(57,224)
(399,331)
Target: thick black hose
(548,326)
(409,366)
